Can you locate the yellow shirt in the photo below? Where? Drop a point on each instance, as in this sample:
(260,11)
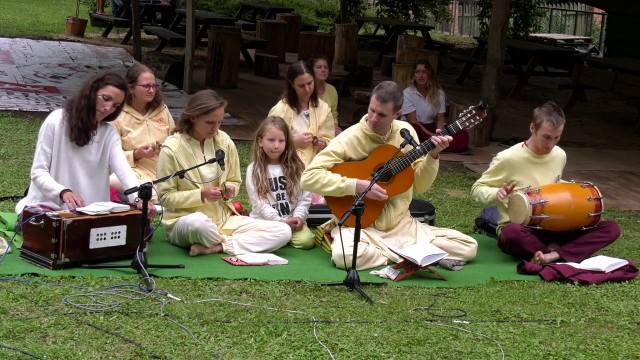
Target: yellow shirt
(320,124)
(521,165)
(354,144)
(136,130)
(330,96)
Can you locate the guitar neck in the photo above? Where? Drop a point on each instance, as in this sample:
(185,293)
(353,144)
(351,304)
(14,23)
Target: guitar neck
(398,164)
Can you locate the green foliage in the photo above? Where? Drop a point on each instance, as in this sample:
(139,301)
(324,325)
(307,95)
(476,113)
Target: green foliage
(523,18)
(421,9)
(320,12)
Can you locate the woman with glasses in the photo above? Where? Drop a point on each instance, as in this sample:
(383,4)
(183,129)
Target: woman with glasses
(76,149)
(143,125)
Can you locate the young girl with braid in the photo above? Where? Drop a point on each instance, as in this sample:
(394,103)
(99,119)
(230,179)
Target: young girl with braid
(273,181)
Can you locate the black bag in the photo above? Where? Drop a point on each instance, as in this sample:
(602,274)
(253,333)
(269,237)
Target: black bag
(422,210)
(487,222)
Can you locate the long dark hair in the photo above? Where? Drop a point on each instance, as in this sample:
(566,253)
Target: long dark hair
(290,97)
(292,166)
(201,103)
(80,110)
(132,79)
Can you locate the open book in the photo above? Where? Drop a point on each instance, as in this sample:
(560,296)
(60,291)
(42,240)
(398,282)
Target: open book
(422,254)
(103,208)
(256,259)
(599,263)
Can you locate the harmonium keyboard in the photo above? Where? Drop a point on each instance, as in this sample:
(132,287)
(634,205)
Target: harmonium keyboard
(63,239)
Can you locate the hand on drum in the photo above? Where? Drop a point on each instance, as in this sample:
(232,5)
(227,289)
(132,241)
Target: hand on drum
(505,190)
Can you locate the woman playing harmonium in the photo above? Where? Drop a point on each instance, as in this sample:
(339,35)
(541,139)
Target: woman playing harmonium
(77,147)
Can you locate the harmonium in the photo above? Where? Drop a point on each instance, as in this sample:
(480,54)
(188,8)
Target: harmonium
(62,239)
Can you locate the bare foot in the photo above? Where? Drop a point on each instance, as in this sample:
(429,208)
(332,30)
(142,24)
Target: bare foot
(540,258)
(198,249)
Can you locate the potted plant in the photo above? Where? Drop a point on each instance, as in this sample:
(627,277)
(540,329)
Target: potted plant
(75,25)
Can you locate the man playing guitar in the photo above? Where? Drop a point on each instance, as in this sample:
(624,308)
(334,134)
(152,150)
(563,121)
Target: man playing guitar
(394,225)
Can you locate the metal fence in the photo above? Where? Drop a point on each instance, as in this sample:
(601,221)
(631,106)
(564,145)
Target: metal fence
(563,18)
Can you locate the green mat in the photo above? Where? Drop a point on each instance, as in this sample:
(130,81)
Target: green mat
(305,265)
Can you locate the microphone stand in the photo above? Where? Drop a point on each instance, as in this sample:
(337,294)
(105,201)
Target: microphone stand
(352,280)
(139,262)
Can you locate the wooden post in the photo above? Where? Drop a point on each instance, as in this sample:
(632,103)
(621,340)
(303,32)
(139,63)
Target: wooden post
(274,31)
(294,23)
(223,60)
(346,44)
(413,55)
(401,73)
(316,43)
(407,42)
(267,66)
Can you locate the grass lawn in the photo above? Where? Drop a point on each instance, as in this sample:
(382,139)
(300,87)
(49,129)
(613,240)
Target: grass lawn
(102,318)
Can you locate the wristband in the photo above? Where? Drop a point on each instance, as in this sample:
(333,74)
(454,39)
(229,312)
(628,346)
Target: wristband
(63,192)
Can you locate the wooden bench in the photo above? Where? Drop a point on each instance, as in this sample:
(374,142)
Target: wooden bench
(165,35)
(251,42)
(442,45)
(109,22)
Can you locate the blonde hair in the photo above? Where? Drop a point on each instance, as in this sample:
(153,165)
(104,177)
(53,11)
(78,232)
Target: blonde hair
(291,163)
(201,103)
(433,86)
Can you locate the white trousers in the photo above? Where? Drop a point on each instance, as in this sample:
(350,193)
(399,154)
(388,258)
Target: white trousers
(372,253)
(252,235)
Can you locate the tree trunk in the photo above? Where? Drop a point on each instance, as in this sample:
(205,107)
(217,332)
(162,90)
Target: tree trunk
(274,31)
(346,44)
(316,43)
(490,91)
(406,42)
(223,61)
(294,23)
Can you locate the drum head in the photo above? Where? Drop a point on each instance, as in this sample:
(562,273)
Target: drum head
(519,208)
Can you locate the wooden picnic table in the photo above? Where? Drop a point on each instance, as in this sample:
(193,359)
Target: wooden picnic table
(526,56)
(561,39)
(204,20)
(392,29)
(249,13)
(147,15)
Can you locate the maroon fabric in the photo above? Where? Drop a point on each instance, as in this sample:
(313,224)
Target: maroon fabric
(562,272)
(574,246)
(460,139)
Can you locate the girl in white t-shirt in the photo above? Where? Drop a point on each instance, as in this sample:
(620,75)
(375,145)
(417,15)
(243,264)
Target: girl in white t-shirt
(273,181)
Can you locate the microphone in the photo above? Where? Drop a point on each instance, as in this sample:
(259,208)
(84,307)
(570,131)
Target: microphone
(406,135)
(220,158)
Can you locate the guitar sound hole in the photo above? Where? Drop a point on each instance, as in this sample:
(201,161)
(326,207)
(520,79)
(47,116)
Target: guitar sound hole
(385,176)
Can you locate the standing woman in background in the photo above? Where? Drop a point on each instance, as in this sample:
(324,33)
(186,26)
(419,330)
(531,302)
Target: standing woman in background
(143,125)
(76,149)
(198,212)
(424,106)
(309,118)
(326,91)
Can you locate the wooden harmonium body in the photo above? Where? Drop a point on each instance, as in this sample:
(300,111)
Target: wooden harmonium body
(63,239)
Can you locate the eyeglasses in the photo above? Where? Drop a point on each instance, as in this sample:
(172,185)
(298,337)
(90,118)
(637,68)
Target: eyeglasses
(149,87)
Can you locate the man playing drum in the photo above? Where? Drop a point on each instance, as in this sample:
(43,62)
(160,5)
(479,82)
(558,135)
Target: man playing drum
(535,162)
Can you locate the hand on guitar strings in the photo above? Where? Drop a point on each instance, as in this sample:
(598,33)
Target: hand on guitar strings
(440,142)
(376,192)
(505,190)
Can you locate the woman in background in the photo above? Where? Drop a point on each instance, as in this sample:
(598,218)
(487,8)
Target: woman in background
(309,118)
(424,106)
(143,125)
(326,92)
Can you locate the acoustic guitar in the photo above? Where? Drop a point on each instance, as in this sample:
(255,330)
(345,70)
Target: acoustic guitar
(395,175)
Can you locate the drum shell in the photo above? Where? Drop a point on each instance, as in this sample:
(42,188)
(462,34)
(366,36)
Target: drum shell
(557,207)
